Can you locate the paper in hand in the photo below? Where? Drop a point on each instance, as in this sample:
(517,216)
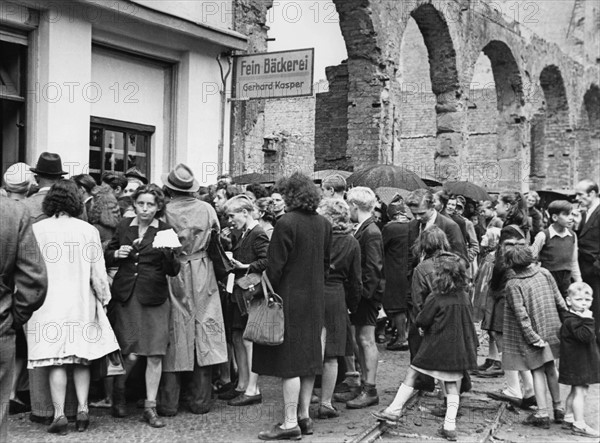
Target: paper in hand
(166,239)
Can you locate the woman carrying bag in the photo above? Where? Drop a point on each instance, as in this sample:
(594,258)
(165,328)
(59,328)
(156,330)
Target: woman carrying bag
(249,259)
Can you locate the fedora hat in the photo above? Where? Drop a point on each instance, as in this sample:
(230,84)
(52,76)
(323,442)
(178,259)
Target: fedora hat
(134,172)
(181,178)
(49,163)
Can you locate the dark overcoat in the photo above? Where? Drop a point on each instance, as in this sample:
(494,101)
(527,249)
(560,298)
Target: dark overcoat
(371,258)
(450,340)
(395,266)
(588,242)
(579,353)
(298,260)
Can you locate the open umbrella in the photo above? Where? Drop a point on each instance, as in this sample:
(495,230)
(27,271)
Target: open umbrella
(386,175)
(319,176)
(386,194)
(468,190)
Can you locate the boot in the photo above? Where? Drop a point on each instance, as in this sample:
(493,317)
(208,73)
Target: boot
(150,415)
(368,397)
(343,397)
(119,406)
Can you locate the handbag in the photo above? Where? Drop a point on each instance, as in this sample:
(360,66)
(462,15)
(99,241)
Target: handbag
(266,322)
(221,263)
(247,288)
(108,366)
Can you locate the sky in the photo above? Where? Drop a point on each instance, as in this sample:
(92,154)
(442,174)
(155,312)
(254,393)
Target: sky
(304,24)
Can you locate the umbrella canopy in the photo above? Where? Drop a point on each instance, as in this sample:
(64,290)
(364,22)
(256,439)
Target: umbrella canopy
(468,190)
(319,176)
(386,194)
(386,175)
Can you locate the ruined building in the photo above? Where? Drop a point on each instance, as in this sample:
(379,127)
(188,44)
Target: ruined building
(501,93)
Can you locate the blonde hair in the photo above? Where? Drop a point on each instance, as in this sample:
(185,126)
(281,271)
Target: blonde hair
(575,288)
(239,203)
(362,197)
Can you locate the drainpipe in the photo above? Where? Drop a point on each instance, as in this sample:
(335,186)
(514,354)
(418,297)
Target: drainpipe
(224,76)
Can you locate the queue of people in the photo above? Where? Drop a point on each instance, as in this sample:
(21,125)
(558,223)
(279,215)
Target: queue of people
(433,263)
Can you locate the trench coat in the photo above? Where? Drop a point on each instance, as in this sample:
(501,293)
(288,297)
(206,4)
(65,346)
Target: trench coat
(196,326)
(71,322)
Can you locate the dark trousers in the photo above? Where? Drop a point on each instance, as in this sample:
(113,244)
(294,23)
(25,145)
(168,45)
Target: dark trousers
(591,275)
(563,280)
(199,391)
(7,367)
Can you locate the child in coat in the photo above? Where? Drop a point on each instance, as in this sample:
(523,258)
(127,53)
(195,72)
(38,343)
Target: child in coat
(449,345)
(531,327)
(580,362)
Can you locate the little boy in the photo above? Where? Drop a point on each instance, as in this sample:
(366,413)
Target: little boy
(556,247)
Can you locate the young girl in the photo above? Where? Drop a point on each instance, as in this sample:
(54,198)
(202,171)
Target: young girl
(449,344)
(531,326)
(580,363)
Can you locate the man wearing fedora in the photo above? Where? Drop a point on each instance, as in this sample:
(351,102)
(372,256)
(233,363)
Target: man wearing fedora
(197,331)
(48,171)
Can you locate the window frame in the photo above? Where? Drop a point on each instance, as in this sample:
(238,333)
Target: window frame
(108,124)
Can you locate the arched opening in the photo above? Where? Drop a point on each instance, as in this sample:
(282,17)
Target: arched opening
(428,114)
(495,150)
(588,136)
(552,153)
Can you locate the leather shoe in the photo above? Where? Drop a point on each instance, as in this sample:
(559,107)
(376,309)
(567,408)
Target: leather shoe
(83,421)
(59,426)
(364,400)
(245,400)
(559,415)
(118,410)
(387,417)
(306,426)
(276,433)
(343,397)
(538,422)
(151,417)
(528,402)
(16,406)
(448,435)
(397,346)
(230,395)
(327,412)
(516,401)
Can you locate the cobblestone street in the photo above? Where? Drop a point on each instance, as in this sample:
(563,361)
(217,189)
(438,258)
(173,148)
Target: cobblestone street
(225,423)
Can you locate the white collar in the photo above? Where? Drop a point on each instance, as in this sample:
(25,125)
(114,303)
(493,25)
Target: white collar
(250,227)
(153,223)
(432,219)
(553,232)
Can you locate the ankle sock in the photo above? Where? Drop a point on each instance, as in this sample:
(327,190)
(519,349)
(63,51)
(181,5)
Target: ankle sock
(453,400)
(579,424)
(402,396)
(569,418)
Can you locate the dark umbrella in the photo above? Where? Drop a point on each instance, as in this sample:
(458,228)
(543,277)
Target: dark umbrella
(468,190)
(387,194)
(386,175)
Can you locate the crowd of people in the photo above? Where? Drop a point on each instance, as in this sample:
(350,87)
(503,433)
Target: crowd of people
(344,263)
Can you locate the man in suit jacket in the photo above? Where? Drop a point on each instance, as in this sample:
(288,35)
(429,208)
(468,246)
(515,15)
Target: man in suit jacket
(588,240)
(421,204)
(362,201)
(47,172)
(21,268)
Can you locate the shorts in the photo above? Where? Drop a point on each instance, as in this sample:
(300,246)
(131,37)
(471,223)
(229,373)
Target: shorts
(366,314)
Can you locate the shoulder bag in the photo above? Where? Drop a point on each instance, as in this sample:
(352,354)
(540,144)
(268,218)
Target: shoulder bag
(247,288)
(266,321)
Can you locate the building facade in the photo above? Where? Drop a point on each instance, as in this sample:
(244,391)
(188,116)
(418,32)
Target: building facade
(111,85)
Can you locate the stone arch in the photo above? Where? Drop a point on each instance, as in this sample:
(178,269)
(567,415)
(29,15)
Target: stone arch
(552,153)
(442,98)
(588,136)
(505,128)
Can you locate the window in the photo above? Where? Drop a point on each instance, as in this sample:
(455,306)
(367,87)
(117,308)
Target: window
(117,146)
(13,79)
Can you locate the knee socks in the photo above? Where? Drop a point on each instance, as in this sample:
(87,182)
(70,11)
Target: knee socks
(451,412)
(402,396)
